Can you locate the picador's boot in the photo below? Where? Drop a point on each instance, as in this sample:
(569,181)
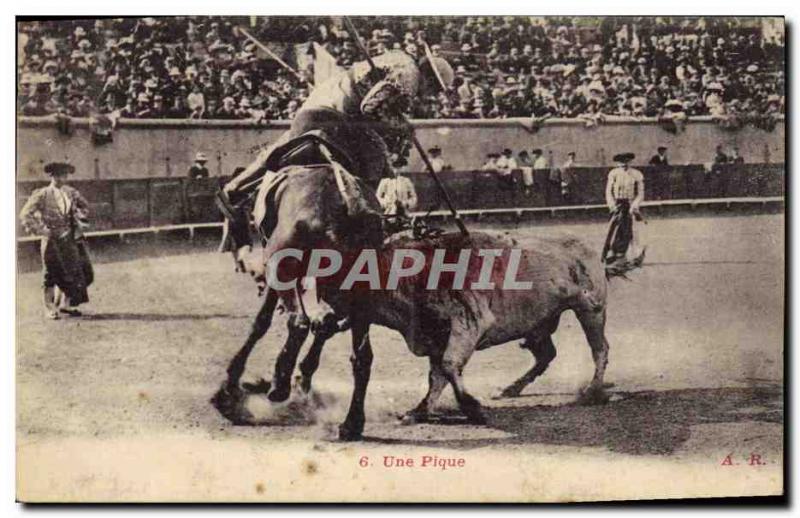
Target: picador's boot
(235,230)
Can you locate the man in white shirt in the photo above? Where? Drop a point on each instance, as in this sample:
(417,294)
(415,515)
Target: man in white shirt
(507,162)
(553,180)
(539,161)
(624,195)
(437,162)
(491,162)
(397,195)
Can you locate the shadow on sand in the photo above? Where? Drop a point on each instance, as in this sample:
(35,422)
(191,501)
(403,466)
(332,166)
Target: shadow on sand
(640,423)
(160,317)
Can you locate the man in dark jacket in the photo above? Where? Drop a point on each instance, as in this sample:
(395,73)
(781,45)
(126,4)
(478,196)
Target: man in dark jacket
(198,169)
(661,157)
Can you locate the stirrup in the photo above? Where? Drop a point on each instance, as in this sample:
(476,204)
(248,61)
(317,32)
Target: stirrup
(224,205)
(224,244)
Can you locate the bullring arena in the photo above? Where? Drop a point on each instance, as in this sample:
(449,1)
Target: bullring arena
(696,377)
(148,118)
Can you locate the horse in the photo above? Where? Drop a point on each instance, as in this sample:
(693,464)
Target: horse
(308,207)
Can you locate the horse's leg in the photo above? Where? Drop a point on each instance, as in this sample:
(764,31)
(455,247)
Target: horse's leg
(460,346)
(310,363)
(543,352)
(436,383)
(593,324)
(260,327)
(229,398)
(287,358)
(361,359)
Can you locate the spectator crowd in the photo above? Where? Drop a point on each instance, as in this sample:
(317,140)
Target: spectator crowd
(584,68)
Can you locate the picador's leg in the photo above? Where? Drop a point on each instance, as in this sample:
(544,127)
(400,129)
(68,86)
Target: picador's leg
(246,182)
(236,228)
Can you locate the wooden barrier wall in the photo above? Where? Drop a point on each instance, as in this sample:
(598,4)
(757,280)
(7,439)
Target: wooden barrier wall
(149,202)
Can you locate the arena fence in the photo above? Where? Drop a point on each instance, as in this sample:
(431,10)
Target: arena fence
(148,204)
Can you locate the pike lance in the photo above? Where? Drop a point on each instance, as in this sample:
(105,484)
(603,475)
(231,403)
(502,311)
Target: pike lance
(440,186)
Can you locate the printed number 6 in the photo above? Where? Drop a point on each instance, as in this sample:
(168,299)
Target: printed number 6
(363,462)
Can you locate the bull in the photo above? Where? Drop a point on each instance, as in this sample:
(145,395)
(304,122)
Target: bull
(448,325)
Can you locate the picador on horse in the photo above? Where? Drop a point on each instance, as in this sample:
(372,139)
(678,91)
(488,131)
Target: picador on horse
(355,118)
(347,137)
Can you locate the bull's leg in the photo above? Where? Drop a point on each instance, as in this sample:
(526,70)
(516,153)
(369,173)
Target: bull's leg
(459,349)
(593,324)
(543,352)
(310,363)
(436,384)
(284,364)
(353,426)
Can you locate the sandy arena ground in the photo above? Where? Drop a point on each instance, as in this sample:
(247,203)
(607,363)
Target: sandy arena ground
(696,360)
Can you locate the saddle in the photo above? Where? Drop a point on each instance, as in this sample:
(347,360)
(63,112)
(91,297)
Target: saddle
(305,150)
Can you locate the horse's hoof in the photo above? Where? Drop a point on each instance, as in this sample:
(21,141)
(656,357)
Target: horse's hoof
(230,404)
(279,395)
(347,433)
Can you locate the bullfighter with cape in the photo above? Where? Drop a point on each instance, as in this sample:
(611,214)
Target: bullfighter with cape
(624,195)
(59,213)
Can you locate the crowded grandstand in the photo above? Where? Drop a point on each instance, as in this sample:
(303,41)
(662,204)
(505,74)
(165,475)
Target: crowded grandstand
(576,68)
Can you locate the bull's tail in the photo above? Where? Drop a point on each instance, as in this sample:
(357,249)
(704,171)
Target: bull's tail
(621,267)
(591,284)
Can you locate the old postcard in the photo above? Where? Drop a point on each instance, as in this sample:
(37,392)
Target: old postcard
(400,258)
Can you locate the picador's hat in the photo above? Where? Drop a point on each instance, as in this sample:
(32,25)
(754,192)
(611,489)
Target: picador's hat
(624,157)
(54,168)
